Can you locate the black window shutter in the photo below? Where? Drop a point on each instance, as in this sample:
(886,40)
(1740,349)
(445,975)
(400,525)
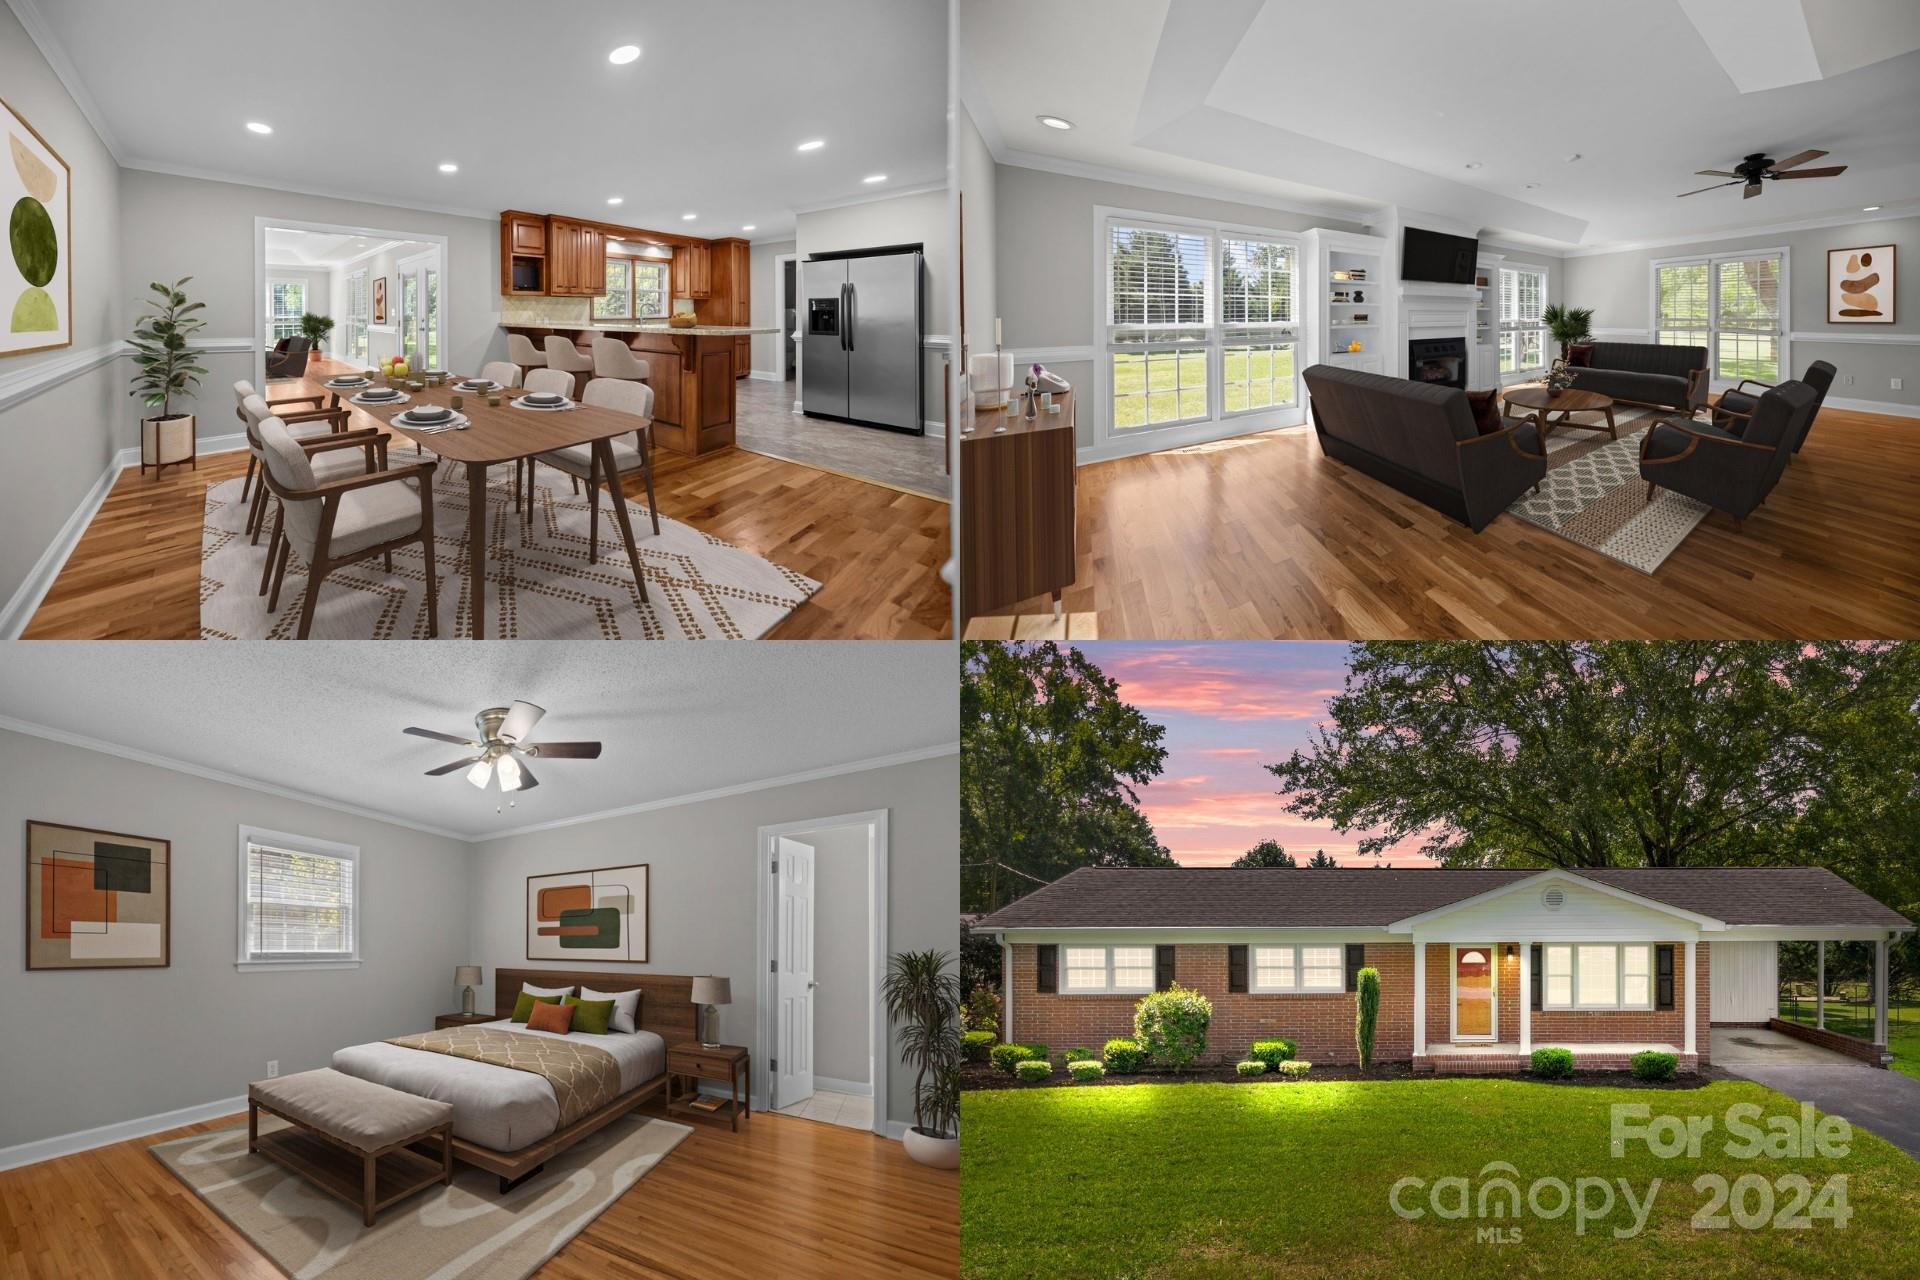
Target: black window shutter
(1539,974)
(1356,960)
(1663,976)
(1236,968)
(1162,968)
(1046,969)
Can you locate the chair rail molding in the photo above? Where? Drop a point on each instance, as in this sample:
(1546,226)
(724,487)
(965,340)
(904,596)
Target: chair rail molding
(1847,335)
(21,385)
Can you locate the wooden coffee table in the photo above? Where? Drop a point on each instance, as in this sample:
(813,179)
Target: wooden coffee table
(1566,404)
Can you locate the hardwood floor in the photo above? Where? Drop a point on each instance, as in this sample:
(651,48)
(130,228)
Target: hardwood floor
(1264,537)
(784,1196)
(135,574)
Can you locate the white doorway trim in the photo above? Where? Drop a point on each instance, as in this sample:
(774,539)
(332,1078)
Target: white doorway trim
(879,1040)
(780,261)
(260,225)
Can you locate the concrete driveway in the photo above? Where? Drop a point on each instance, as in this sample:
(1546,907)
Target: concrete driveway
(1884,1103)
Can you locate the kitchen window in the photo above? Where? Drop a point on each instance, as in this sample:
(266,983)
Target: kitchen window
(1733,305)
(1097,970)
(299,901)
(1523,336)
(1298,969)
(636,290)
(1598,976)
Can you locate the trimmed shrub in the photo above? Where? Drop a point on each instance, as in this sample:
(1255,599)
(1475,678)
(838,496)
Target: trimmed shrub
(1079,1053)
(1032,1069)
(1085,1069)
(1553,1064)
(1251,1067)
(1123,1057)
(1366,1014)
(1654,1065)
(1171,1025)
(1272,1052)
(982,1010)
(1293,1069)
(976,1045)
(1007,1056)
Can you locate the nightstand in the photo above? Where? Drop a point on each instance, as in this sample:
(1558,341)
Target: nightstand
(444,1020)
(689,1062)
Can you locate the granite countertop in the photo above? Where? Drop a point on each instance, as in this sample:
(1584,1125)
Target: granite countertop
(646,326)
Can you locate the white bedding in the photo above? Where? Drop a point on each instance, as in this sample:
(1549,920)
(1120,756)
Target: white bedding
(496,1107)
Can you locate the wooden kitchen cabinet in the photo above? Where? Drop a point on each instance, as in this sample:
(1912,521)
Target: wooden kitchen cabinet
(523,253)
(692,272)
(576,259)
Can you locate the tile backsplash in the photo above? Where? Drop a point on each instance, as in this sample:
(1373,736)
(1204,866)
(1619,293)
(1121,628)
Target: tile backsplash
(546,312)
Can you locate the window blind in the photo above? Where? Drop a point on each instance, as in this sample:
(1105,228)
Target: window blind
(1256,282)
(299,905)
(1159,278)
(1681,309)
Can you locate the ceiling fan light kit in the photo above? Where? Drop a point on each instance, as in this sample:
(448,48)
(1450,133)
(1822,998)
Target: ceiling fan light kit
(501,742)
(1751,172)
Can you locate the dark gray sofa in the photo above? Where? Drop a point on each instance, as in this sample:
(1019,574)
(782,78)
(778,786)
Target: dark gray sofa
(1421,439)
(1646,374)
(1731,473)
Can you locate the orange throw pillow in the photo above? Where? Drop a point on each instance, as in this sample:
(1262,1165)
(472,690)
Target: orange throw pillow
(557,1018)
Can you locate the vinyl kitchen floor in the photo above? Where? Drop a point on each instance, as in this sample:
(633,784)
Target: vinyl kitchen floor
(765,423)
(844,1109)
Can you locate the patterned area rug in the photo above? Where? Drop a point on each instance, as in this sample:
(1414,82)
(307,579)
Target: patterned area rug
(539,584)
(467,1230)
(1593,495)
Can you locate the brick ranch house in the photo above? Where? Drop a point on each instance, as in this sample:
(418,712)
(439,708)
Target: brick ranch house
(1477,967)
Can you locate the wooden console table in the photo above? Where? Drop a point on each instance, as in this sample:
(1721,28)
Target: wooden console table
(1016,507)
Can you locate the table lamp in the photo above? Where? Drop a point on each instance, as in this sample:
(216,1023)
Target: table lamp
(708,992)
(468,976)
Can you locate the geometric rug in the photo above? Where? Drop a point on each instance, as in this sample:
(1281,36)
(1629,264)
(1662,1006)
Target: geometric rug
(1593,495)
(467,1230)
(539,584)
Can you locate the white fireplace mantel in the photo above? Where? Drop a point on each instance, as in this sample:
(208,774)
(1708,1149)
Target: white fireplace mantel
(1429,310)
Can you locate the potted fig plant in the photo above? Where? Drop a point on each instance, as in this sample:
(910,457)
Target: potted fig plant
(923,996)
(166,367)
(317,329)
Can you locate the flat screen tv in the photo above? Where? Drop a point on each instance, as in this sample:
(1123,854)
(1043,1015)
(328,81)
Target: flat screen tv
(1436,256)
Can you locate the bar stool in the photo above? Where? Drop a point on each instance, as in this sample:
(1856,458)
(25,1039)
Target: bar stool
(564,356)
(521,351)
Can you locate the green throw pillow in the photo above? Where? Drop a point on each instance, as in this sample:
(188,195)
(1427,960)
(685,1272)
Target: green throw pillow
(523,1007)
(591,1016)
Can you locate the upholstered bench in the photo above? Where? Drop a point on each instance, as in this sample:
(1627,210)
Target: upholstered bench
(343,1127)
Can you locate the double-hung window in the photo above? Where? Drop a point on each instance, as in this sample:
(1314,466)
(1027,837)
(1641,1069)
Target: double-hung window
(357,316)
(636,289)
(1597,976)
(1731,305)
(286,303)
(299,901)
(1523,335)
(1259,303)
(1095,970)
(1298,969)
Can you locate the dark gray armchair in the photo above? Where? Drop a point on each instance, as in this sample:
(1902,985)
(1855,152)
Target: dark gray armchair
(288,359)
(1731,473)
(1734,408)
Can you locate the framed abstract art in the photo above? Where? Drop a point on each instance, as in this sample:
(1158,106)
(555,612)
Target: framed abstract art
(588,915)
(379,300)
(1860,285)
(97,899)
(36,272)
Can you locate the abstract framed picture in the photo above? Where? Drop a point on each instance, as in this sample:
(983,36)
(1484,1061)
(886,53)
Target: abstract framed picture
(36,273)
(588,915)
(1860,285)
(97,899)
(379,300)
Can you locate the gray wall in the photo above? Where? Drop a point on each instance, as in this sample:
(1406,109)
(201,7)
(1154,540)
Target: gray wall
(977,175)
(701,877)
(92,1047)
(1617,287)
(841,1017)
(766,309)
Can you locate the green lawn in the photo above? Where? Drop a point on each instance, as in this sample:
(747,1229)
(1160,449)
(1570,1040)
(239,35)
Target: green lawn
(1226,1180)
(1855,1018)
(1168,386)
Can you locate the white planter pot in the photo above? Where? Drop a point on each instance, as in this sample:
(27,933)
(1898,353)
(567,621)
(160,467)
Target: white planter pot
(166,441)
(935,1153)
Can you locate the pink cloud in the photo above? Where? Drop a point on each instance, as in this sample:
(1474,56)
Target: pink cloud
(1180,680)
(1231,753)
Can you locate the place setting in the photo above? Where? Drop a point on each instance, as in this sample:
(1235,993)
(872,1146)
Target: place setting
(544,402)
(430,418)
(381,397)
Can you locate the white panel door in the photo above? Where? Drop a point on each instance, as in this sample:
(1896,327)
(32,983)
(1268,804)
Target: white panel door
(793,977)
(1745,981)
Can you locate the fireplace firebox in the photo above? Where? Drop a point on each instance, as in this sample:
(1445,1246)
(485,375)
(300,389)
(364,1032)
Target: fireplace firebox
(1440,361)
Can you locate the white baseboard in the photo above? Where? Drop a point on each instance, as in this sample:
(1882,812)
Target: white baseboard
(897,1129)
(107,1134)
(853,1087)
(1873,406)
(1178,438)
(934,427)
(764,375)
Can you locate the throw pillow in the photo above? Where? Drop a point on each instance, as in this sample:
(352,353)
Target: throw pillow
(1580,355)
(626,1008)
(557,1018)
(546,991)
(523,1007)
(590,1015)
(1486,411)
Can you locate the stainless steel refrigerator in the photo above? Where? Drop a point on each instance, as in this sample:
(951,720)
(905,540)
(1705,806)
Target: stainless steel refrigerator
(862,323)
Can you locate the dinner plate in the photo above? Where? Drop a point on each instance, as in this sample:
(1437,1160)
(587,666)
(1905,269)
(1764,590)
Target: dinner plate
(524,403)
(398,397)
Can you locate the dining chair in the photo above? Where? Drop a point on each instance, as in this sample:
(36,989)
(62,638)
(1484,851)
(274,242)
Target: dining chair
(333,458)
(565,357)
(521,351)
(335,523)
(550,381)
(500,371)
(578,460)
(613,358)
(325,408)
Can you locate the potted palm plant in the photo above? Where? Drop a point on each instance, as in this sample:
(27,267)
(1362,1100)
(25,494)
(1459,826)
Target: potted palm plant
(165,367)
(1568,325)
(923,996)
(317,329)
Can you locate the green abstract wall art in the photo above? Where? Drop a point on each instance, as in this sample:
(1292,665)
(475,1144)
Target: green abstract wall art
(36,275)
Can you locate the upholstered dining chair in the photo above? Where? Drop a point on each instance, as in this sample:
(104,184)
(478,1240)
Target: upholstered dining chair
(565,357)
(334,456)
(613,358)
(502,372)
(335,523)
(292,362)
(1734,409)
(325,408)
(578,461)
(521,351)
(550,382)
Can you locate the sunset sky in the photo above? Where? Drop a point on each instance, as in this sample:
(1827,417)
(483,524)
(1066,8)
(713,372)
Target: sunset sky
(1230,709)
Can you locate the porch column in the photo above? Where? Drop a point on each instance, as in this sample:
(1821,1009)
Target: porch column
(1526,999)
(1419,998)
(1006,992)
(1820,989)
(1880,991)
(1692,987)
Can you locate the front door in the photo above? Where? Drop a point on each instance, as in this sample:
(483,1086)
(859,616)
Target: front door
(1473,991)
(793,975)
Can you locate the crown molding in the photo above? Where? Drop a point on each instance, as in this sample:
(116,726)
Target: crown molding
(66,73)
(872,197)
(1177,186)
(325,193)
(1740,233)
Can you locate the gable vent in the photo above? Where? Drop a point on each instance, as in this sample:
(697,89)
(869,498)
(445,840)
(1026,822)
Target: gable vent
(1553,898)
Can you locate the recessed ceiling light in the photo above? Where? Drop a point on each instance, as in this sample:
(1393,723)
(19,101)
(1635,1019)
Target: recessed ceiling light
(1531,185)
(874,177)
(688,217)
(624,54)
(1575,156)
(1473,164)
(254,126)
(1055,122)
(1872,208)
(616,199)
(811,144)
(748,227)
(449,167)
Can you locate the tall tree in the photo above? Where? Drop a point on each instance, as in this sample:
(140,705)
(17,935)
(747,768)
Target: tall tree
(1050,759)
(1321,860)
(1627,754)
(1267,853)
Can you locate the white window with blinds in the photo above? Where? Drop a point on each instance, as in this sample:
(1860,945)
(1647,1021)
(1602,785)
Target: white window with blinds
(299,902)
(286,303)
(1523,335)
(359,315)
(1734,305)
(1598,976)
(1259,308)
(1106,970)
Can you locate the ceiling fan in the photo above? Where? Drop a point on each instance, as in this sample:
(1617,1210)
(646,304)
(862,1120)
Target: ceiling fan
(1749,172)
(503,737)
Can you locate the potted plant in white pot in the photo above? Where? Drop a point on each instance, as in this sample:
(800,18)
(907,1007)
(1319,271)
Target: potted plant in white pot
(166,367)
(923,996)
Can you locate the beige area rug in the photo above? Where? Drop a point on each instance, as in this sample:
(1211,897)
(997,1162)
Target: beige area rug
(1593,495)
(539,584)
(466,1231)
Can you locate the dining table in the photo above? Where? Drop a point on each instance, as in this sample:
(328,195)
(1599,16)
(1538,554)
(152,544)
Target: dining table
(503,433)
